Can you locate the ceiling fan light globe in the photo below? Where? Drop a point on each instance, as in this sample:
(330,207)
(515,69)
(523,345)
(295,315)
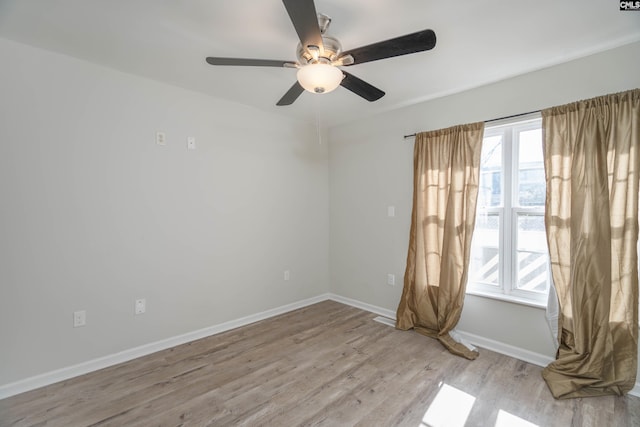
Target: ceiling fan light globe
(319,78)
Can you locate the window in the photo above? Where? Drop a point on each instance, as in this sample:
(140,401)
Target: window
(509,254)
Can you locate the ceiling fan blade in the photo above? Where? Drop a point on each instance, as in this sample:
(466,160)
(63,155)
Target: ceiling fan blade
(403,45)
(250,62)
(361,88)
(292,94)
(305,20)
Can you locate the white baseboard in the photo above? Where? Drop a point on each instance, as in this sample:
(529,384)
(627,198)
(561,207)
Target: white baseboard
(363,306)
(506,349)
(62,374)
(636,390)
(385,321)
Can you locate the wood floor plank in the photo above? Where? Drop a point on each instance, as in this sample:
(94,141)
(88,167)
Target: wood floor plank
(324,365)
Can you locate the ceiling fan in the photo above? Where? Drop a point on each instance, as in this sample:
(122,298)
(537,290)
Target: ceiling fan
(320,55)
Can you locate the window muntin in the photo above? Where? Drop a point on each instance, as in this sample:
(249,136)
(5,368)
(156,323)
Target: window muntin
(509,255)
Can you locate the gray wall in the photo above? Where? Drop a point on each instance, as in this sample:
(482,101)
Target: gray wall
(370,168)
(94,214)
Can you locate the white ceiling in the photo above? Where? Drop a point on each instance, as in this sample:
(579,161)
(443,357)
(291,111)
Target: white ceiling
(478,42)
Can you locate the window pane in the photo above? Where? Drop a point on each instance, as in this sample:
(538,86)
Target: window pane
(532,259)
(490,192)
(485,255)
(510,211)
(531,183)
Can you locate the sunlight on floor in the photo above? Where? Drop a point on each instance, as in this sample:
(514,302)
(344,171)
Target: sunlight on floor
(451,408)
(506,419)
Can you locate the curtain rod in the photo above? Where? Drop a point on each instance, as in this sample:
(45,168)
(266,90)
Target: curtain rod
(492,120)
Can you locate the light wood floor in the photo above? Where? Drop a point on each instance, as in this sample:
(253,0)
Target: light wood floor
(327,364)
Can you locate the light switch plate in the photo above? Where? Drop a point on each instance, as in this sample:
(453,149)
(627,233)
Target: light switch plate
(79,318)
(391,279)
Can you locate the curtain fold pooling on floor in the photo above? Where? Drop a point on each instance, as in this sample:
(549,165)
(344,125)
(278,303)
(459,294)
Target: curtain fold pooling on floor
(592,165)
(446,176)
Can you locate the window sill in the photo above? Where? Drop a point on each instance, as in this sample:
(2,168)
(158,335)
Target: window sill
(508,298)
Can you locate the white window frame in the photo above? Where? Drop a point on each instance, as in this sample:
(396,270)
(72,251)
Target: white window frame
(508,212)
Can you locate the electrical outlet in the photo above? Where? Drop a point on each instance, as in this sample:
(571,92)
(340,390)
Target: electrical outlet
(161,138)
(287,275)
(191,143)
(141,306)
(79,318)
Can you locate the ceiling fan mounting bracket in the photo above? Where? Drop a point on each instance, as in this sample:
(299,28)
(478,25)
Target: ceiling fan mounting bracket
(323,22)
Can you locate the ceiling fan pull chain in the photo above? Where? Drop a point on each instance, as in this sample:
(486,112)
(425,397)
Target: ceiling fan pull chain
(318,128)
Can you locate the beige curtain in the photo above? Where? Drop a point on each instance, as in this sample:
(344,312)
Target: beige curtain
(445,190)
(591,161)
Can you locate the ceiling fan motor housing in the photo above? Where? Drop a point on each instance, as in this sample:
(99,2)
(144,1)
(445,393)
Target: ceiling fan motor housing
(327,53)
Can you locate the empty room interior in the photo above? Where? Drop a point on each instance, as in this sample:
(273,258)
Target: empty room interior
(188,239)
